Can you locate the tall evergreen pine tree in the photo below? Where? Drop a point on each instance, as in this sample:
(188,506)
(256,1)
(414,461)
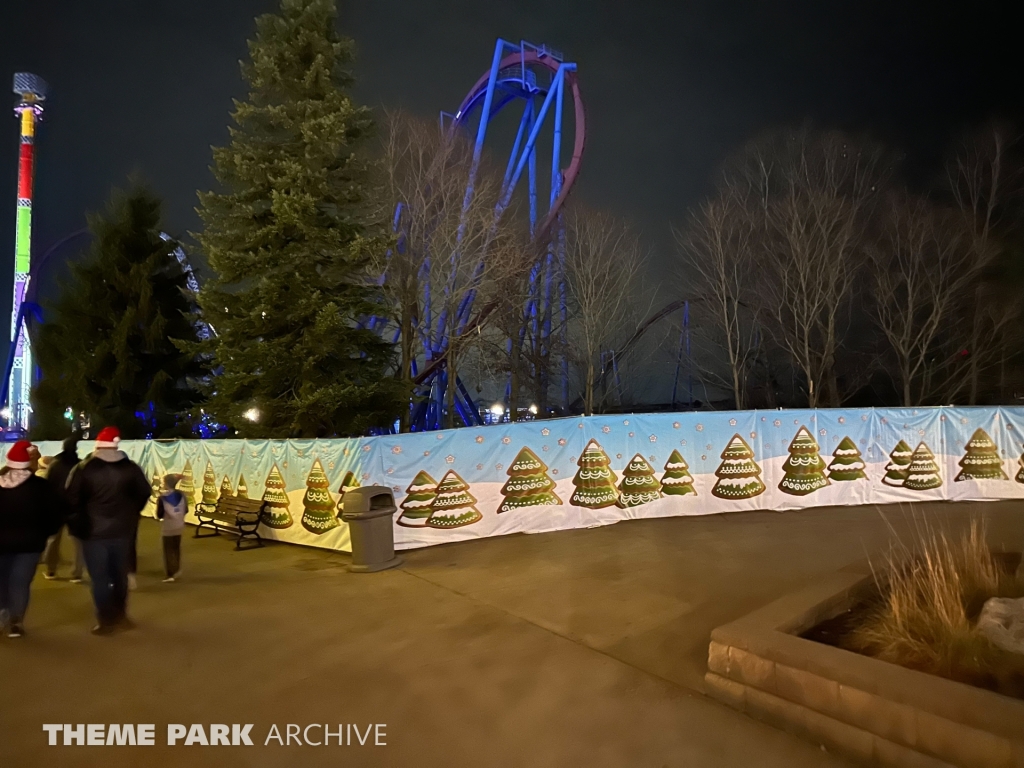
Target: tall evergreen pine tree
(107,348)
(287,238)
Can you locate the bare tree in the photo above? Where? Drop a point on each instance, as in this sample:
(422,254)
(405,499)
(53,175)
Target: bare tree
(809,197)
(453,257)
(603,264)
(718,246)
(923,270)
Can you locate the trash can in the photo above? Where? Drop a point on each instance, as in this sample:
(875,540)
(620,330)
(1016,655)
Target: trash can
(369,512)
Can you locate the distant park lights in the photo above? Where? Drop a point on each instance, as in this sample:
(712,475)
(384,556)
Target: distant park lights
(533,409)
(498,409)
(5,413)
(253,415)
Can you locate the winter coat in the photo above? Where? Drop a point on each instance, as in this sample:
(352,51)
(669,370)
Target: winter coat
(59,470)
(171,509)
(30,512)
(109,491)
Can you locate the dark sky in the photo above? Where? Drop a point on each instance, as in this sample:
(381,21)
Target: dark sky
(670,87)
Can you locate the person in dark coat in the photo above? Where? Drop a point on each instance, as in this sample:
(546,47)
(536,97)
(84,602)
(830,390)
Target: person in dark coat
(108,492)
(30,512)
(57,473)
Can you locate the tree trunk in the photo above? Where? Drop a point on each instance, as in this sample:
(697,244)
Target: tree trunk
(406,362)
(449,390)
(588,395)
(513,386)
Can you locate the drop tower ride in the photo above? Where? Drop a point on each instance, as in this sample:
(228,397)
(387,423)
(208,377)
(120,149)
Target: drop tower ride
(31,91)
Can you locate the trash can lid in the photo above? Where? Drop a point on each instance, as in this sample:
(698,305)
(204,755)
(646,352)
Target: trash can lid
(368,501)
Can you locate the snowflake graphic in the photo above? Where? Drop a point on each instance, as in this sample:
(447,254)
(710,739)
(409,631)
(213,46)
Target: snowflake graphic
(906,426)
(618,455)
(625,423)
(580,425)
(963,421)
(543,447)
(777,423)
(554,471)
(700,427)
(498,466)
(479,466)
(391,470)
(796,421)
(479,438)
(330,465)
(885,420)
(675,425)
(426,453)
(632,434)
(562,441)
(651,457)
(366,449)
(606,429)
(396,488)
(842,419)
(256,454)
(301,453)
(285,465)
(682,442)
(915,413)
(767,446)
(653,438)
(397,449)
(764,418)
(753,435)
(572,459)
(822,432)
(920,432)
(366,476)
(942,417)
(440,437)
(708,447)
(864,417)
(1009,426)
(506,440)
(732,422)
(545,432)
(449,459)
(703,457)
(835,438)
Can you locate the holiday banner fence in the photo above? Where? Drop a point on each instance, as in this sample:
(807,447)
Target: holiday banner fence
(553,475)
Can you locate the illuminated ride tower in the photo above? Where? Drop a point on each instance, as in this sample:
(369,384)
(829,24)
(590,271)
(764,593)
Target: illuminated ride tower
(31,90)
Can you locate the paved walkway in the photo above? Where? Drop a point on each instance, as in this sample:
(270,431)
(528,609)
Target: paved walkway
(578,648)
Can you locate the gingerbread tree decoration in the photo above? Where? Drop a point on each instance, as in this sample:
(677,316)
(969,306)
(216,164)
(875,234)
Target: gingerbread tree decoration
(847,463)
(804,468)
(243,489)
(594,481)
(1019,477)
(318,515)
(349,482)
(899,463)
(923,472)
(639,485)
(453,504)
(528,484)
(416,506)
(982,460)
(187,484)
(225,488)
(677,480)
(209,485)
(276,514)
(739,476)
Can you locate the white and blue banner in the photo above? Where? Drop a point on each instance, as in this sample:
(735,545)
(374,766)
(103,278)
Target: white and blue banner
(580,472)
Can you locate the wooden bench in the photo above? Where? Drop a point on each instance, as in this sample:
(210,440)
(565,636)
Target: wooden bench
(231,514)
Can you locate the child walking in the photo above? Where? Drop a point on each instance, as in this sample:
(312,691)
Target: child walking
(171,509)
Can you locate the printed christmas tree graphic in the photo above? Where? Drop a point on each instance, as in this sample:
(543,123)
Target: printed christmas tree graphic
(318,514)
(677,480)
(209,485)
(453,504)
(639,485)
(276,514)
(243,489)
(739,476)
(417,504)
(349,482)
(594,481)
(1019,477)
(804,469)
(187,484)
(528,484)
(923,472)
(847,463)
(225,488)
(982,460)
(899,463)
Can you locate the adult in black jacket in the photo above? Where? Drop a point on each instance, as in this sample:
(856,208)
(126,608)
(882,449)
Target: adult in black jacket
(57,474)
(30,512)
(107,492)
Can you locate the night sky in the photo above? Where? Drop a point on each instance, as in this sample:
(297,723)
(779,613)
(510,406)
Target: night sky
(670,87)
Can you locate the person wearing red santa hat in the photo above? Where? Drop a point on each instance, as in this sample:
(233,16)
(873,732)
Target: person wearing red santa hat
(108,491)
(30,512)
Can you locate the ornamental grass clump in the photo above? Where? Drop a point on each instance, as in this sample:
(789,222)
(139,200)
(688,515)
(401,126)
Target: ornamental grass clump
(928,604)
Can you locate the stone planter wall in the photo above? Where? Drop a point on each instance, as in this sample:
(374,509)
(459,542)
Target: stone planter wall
(875,712)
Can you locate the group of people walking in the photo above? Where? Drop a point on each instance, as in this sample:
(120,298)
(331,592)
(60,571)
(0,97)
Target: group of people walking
(99,501)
